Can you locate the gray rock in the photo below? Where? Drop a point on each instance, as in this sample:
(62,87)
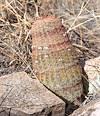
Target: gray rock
(92,69)
(21,95)
(90,109)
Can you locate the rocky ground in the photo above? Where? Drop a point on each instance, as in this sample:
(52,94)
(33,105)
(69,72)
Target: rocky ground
(80,17)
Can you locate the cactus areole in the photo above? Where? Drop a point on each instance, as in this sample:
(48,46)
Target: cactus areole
(54,59)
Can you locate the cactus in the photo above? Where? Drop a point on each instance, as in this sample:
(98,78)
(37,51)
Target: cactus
(55,59)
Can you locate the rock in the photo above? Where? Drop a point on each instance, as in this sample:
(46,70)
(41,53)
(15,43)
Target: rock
(90,109)
(21,95)
(92,68)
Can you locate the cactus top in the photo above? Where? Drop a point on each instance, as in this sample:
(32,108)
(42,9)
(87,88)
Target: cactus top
(48,31)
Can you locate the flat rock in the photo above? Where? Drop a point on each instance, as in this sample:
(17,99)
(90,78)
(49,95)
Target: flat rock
(21,95)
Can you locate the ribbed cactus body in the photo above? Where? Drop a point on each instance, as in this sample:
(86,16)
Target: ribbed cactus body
(54,59)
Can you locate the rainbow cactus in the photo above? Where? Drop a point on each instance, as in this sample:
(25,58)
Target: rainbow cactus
(55,59)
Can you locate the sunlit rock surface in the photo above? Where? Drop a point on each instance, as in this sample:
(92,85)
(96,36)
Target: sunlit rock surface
(92,68)
(21,95)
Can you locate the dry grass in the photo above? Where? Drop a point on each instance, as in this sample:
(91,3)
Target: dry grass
(15,39)
(81,17)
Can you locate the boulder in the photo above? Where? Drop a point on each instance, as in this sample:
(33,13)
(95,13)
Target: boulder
(92,69)
(20,95)
(90,109)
